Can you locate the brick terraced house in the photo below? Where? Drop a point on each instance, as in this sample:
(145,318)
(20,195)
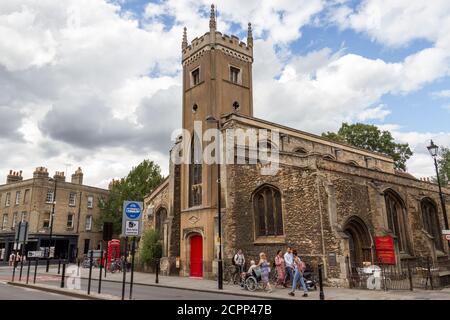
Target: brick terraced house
(76,207)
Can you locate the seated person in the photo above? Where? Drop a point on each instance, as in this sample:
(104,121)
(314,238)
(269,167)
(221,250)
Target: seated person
(250,271)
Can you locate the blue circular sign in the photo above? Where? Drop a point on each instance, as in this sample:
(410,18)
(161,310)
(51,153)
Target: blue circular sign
(133,210)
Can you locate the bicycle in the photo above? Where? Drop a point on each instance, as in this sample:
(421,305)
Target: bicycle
(231,275)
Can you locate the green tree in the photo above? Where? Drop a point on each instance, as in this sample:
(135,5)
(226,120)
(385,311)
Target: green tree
(151,248)
(140,181)
(371,138)
(443,165)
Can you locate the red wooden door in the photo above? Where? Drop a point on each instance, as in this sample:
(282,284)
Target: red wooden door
(196,256)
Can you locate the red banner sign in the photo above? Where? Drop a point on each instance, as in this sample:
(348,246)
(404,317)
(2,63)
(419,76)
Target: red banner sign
(385,249)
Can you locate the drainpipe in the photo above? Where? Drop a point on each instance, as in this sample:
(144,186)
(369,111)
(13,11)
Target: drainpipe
(321,229)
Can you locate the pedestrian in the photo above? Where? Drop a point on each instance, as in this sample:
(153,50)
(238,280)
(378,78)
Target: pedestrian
(298,275)
(289,263)
(280,267)
(265,271)
(239,261)
(12,259)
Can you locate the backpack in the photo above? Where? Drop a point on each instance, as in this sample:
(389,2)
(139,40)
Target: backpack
(232,261)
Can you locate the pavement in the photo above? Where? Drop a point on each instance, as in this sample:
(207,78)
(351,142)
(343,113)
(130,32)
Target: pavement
(145,283)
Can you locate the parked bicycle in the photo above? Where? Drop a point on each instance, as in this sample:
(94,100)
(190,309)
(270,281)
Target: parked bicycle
(116,265)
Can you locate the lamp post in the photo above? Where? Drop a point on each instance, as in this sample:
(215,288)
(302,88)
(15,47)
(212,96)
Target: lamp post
(211,119)
(433,149)
(51,223)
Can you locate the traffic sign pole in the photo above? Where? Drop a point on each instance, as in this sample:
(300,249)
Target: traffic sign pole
(124,267)
(133,249)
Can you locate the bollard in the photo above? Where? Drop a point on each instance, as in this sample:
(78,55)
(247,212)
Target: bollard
(35,270)
(157,271)
(59,265)
(21,268)
(28,271)
(91,257)
(321,295)
(63,275)
(410,277)
(14,270)
(100,275)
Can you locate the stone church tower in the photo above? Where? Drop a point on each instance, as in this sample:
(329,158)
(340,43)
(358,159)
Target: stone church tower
(217,80)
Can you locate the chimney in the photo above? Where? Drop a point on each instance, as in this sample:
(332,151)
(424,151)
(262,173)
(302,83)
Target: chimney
(59,176)
(40,172)
(14,176)
(77,177)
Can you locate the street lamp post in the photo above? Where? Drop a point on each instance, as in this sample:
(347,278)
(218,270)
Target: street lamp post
(433,149)
(51,224)
(211,119)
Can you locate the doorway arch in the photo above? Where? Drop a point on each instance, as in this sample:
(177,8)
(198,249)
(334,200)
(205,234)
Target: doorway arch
(359,241)
(196,255)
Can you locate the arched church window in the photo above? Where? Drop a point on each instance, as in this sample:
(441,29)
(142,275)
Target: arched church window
(353,163)
(160,218)
(396,216)
(267,211)
(431,222)
(301,151)
(195,172)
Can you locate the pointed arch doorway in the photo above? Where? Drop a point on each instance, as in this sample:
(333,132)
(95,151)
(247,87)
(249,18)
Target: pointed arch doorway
(359,241)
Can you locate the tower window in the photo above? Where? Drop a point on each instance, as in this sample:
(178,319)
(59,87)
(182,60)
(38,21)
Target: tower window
(195,77)
(234,75)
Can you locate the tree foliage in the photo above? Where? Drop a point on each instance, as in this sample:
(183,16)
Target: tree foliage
(371,138)
(140,181)
(151,247)
(444,165)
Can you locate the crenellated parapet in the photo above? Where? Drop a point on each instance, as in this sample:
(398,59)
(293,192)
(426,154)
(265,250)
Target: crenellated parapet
(230,45)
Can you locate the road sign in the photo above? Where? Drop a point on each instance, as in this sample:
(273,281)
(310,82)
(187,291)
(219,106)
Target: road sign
(132,228)
(445,231)
(131,218)
(447,237)
(36,254)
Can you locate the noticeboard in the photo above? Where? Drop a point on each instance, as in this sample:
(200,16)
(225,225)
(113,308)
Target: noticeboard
(385,249)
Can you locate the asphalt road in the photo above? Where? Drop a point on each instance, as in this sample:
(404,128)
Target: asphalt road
(8,292)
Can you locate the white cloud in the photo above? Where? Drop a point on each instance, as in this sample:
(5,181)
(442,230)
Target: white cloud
(441,94)
(84,82)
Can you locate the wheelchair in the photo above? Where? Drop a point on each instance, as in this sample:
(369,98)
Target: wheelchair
(253,281)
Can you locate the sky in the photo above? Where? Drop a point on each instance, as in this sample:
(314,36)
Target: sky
(96,84)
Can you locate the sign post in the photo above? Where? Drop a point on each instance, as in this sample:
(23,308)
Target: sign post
(131,227)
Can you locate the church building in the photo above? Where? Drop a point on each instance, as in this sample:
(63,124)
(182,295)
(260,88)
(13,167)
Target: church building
(332,202)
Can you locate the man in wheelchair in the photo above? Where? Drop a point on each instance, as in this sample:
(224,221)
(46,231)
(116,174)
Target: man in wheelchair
(254,273)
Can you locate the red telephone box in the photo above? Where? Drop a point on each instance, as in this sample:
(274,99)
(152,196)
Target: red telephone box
(113,251)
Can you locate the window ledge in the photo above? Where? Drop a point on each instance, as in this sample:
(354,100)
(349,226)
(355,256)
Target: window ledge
(270,240)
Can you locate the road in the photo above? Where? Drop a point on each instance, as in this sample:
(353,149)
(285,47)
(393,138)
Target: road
(8,292)
(140,292)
